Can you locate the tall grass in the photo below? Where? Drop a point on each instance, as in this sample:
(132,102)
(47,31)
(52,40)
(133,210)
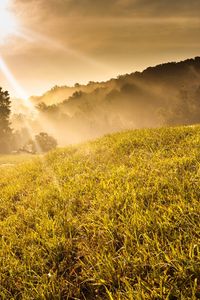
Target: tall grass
(117,218)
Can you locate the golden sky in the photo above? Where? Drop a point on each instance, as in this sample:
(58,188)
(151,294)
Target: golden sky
(61,42)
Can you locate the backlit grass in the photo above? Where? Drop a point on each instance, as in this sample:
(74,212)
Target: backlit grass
(117,218)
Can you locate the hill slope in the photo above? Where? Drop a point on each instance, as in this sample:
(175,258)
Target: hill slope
(117,218)
(176,74)
(168,94)
(58,93)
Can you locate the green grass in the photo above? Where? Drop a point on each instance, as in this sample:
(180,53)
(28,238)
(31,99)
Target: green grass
(117,218)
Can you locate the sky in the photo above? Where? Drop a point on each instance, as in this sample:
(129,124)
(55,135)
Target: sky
(44,43)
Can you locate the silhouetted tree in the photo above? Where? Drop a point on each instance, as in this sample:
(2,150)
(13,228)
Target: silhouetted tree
(45,142)
(77,85)
(42,107)
(5,130)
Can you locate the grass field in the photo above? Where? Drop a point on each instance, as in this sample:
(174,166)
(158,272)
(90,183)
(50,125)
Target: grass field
(117,218)
(9,160)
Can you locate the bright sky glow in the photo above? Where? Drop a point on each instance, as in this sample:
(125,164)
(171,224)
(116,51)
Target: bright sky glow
(19,92)
(92,40)
(8,22)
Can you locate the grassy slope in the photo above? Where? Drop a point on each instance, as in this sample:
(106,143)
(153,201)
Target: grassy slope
(9,160)
(117,218)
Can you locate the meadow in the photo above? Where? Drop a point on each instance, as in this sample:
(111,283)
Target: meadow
(15,159)
(116,218)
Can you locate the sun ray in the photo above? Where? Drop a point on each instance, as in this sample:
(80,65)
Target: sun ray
(23,97)
(10,26)
(47,41)
(9,76)
(20,92)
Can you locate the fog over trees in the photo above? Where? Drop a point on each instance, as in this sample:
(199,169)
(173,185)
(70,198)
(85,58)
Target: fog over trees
(165,95)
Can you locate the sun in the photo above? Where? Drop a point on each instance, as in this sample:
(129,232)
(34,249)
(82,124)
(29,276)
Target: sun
(8,22)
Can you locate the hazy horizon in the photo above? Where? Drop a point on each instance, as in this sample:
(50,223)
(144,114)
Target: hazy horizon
(101,80)
(48,43)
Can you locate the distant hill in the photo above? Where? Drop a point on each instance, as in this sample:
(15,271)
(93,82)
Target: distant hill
(176,74)
(59,93)
(167,94)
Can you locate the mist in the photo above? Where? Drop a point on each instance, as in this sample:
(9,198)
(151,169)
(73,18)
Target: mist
(165,95)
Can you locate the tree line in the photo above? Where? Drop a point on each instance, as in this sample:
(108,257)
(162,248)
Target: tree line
(10,139)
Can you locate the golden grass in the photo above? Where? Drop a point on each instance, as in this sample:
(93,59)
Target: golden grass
(117,218)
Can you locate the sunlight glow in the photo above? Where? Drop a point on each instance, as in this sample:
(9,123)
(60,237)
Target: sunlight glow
(16,86)
(23,97)
(10,27)
(8,22)
(7,73)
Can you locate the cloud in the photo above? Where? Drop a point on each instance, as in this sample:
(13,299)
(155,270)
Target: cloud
(69,40)
(104,8)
